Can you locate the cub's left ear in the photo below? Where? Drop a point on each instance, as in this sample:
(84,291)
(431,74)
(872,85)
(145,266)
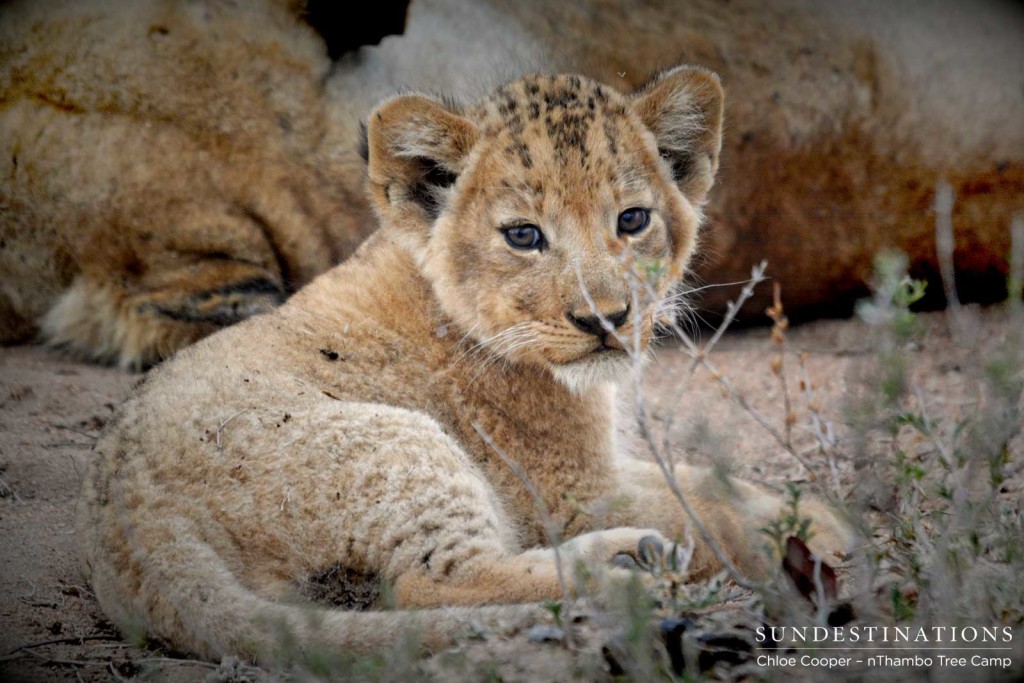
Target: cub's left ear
(683,108)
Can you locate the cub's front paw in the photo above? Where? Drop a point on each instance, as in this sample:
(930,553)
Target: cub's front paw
(607,544)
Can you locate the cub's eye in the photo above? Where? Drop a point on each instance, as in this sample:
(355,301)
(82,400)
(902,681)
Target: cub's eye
(525,237)
(632,221)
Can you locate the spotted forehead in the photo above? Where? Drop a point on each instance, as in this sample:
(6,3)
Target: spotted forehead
(557,112)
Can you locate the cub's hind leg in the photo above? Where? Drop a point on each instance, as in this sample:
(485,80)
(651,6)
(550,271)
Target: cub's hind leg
(422,516)
(733,513)
(200,542)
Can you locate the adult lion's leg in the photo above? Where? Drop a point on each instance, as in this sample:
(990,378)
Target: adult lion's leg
(146,236)
(733,511)
(106,318)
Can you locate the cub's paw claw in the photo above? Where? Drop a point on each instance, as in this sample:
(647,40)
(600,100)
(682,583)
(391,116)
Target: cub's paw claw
(650,552)
(653,554)
(624,561)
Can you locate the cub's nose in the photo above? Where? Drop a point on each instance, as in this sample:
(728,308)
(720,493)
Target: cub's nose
(591,323)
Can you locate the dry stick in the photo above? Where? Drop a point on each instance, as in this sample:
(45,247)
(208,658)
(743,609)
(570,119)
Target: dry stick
(81,589)
(7,490)
(756,277)
(116,674)
(78,431)
(41,603)
(697,354)
(66,662)
(822,429)
(108,663)
(673,486)
(58,641)
(962,475)
(779,325)
(180,662)
(74,466)
(741,400)
(640,412)
(929,430)
(550,529)
(700,357)
(641,419)
(222,425)
(944,246)
(605,323)
(667,469)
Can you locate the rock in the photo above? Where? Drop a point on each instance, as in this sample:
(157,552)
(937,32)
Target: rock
(672,631)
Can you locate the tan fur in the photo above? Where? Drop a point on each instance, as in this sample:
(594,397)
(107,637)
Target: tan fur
(345,428)
(168,170)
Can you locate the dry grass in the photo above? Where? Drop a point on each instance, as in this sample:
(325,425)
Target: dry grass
(944,543)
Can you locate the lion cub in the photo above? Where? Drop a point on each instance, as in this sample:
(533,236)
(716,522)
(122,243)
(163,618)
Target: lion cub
(346,428)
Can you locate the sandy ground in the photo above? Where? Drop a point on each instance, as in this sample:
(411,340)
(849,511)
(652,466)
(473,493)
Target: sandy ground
(51,410)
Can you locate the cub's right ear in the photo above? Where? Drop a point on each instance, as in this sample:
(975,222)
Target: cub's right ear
(683,108)
(417,148)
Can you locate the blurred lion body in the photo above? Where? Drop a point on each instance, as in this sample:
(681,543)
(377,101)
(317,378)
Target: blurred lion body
(171,169)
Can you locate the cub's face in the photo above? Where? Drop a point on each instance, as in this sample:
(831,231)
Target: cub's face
(552,217)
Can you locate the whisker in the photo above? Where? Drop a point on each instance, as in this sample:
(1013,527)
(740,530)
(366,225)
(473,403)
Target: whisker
(487,342)
(498,347)
(690,290)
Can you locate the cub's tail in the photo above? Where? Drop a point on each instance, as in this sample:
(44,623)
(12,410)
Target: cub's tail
(190,600)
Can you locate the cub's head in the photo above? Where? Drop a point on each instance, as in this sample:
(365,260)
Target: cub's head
(554,216)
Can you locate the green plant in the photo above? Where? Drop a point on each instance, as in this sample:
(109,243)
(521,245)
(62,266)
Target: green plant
(789,523)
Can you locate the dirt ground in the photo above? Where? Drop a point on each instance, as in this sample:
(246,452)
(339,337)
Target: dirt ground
(51,410)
